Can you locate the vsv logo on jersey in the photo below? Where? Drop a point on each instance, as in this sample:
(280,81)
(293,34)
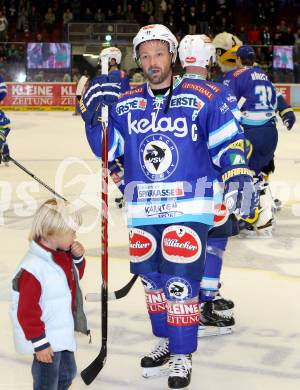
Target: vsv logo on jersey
(158,157)
(142,245)
(181,244)
(148,283)
(176,126)
(131,104)
(178,289)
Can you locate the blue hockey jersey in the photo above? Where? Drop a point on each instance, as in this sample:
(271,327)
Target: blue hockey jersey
(171,155)
(3,89)
(255,94)
(4,127)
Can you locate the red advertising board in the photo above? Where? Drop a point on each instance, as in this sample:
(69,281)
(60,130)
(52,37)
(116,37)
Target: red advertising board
(61,96)
(44,96)
(285,90)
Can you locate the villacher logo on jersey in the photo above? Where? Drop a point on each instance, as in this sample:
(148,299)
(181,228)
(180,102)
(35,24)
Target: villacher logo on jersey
(142,245)
(181,244)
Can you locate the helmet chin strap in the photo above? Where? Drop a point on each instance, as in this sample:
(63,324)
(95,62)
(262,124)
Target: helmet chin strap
(171,87)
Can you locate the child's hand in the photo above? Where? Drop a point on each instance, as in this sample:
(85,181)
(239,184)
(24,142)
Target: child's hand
(77,249)
(45,355)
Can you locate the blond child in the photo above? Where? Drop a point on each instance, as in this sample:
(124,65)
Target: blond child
(46,297)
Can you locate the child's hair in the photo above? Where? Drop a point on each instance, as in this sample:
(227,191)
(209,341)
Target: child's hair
(54,217)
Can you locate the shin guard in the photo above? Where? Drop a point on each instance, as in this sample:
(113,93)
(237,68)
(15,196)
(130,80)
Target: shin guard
(156,302)
(183,313)
(213,265)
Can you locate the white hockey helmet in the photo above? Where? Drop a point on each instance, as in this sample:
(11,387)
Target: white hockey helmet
(112,53)
(155,32)
(196,50)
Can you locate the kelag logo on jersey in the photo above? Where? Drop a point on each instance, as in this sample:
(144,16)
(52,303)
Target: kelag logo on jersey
(131,104)
(176,126)
(186,100)
(158,157)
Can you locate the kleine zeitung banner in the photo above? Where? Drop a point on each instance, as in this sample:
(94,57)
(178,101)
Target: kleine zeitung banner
(40,95)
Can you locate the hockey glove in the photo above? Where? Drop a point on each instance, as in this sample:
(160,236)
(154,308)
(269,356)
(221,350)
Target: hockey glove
(288,118)
(240,195)
(102,90)
(3,134)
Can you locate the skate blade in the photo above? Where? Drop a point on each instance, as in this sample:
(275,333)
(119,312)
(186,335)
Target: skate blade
(266,234)
(152,372)
(209,331)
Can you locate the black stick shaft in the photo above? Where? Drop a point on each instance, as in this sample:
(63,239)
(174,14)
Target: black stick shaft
(36,178)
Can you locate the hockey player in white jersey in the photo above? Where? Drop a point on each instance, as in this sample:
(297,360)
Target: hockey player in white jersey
(175,139)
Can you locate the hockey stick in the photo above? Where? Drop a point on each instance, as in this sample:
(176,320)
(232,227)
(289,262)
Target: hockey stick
(36,178)
(90,372)
(118,294)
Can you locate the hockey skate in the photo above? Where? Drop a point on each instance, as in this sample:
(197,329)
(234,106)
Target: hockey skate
(213,324)
(155,363)
(180,371)
(5,159)
(223,307)
(253,231)
(263,226)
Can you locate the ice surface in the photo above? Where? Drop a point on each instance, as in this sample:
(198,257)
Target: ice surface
(261,276)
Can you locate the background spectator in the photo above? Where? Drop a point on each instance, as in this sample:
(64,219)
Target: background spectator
(99,16)
(49,20)
(3,27)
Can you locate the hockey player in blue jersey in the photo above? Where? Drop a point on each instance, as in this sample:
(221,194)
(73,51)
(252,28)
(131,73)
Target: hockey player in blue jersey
(257,100)
(173,138)
(116,167)
(4,127)
(4,130)
(197,54)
